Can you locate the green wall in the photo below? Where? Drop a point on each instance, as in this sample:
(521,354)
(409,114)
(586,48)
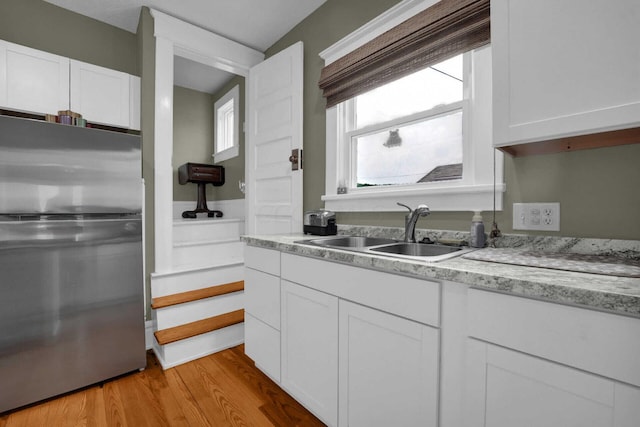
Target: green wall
(597,189)
(329,23)
(43,26)
(192,136)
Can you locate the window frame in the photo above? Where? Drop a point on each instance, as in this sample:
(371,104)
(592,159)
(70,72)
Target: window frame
(475,191)
(234,150)
(348,133)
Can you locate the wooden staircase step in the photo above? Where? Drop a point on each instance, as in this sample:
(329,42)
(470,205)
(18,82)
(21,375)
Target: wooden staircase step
(213,291)
(199,327)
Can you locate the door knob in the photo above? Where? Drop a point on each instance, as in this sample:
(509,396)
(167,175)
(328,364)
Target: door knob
(295,159)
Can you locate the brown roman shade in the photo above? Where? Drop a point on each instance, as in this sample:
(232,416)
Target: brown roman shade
(446,29)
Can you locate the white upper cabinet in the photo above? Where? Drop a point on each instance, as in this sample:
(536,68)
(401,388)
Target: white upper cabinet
(33,81)
(42,83)
(101,95)
(564,68)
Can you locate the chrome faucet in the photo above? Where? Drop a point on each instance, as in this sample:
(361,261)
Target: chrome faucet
(411,219)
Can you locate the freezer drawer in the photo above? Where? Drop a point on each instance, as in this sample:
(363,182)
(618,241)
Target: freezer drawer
(72,306)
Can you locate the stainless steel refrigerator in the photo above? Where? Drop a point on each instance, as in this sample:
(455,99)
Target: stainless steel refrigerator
(71,282)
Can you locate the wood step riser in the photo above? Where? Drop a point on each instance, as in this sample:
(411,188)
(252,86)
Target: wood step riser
(193,311)
(189,349)
(191,257)
(173,283)
(207,231)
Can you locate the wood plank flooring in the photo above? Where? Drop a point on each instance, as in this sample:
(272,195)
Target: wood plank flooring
(223,389)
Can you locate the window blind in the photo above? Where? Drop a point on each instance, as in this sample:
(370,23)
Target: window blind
(446,29)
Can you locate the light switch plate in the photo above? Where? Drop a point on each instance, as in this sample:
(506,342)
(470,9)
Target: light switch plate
(536,216)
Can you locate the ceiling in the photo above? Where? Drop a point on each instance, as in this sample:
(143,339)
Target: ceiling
(257,24)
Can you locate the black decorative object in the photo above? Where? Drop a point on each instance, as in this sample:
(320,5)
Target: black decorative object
(201,174)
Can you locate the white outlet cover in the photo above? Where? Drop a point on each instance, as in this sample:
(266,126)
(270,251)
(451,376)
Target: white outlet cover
(536,216)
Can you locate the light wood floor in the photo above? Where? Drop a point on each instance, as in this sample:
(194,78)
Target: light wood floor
(224,389)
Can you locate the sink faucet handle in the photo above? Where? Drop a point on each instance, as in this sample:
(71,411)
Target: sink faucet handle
(403,205)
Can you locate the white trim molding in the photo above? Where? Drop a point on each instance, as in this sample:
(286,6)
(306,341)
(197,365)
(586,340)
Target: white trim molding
(384,22)
(459,198)
(178,38)
(205,47)
(475,191)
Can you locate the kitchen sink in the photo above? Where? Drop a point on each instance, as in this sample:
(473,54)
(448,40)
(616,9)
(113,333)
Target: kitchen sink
(389,247)
(417,249)
(351,241)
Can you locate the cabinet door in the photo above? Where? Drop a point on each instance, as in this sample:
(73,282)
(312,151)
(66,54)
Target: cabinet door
(388,369)
(262,345)
(32,80)
(507,388)
(564,68)
(101,95)
(309,337)
(262,296)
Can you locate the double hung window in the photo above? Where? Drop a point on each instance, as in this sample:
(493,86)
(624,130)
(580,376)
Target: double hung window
(227,118)
(422,135)
(408,131)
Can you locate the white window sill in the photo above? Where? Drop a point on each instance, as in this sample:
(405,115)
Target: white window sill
(444,198)
(227,154)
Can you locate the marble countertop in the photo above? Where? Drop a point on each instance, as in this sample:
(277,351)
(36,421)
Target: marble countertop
(620,295)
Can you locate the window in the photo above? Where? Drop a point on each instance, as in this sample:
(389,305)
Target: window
(422,138)
(408,131)
(227,117)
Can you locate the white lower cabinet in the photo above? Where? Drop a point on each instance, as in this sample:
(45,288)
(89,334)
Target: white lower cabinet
(309,339)
(509,388)
(262,309)
(388,369)
(538,364)
(365,348)
(262,345)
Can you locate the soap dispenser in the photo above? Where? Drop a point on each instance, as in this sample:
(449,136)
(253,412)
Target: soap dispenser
(477,237)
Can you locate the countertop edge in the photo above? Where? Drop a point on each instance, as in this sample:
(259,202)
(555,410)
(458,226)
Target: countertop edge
(617,295)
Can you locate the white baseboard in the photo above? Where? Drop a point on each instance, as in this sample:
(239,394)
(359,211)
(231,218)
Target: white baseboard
(230,208)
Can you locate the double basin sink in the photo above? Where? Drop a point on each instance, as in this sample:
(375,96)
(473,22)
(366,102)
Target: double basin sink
(382,246)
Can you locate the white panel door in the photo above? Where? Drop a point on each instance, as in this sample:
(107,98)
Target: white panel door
(388,369)
(32,80)
(309,340)
(101,95)
(274,116)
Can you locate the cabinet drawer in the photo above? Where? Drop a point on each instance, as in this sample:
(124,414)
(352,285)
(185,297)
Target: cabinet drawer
(262,296)
(262,345)
(415,299)
(267,260)
(594,341)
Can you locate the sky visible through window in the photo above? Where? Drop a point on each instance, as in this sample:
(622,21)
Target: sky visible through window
(425,144)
